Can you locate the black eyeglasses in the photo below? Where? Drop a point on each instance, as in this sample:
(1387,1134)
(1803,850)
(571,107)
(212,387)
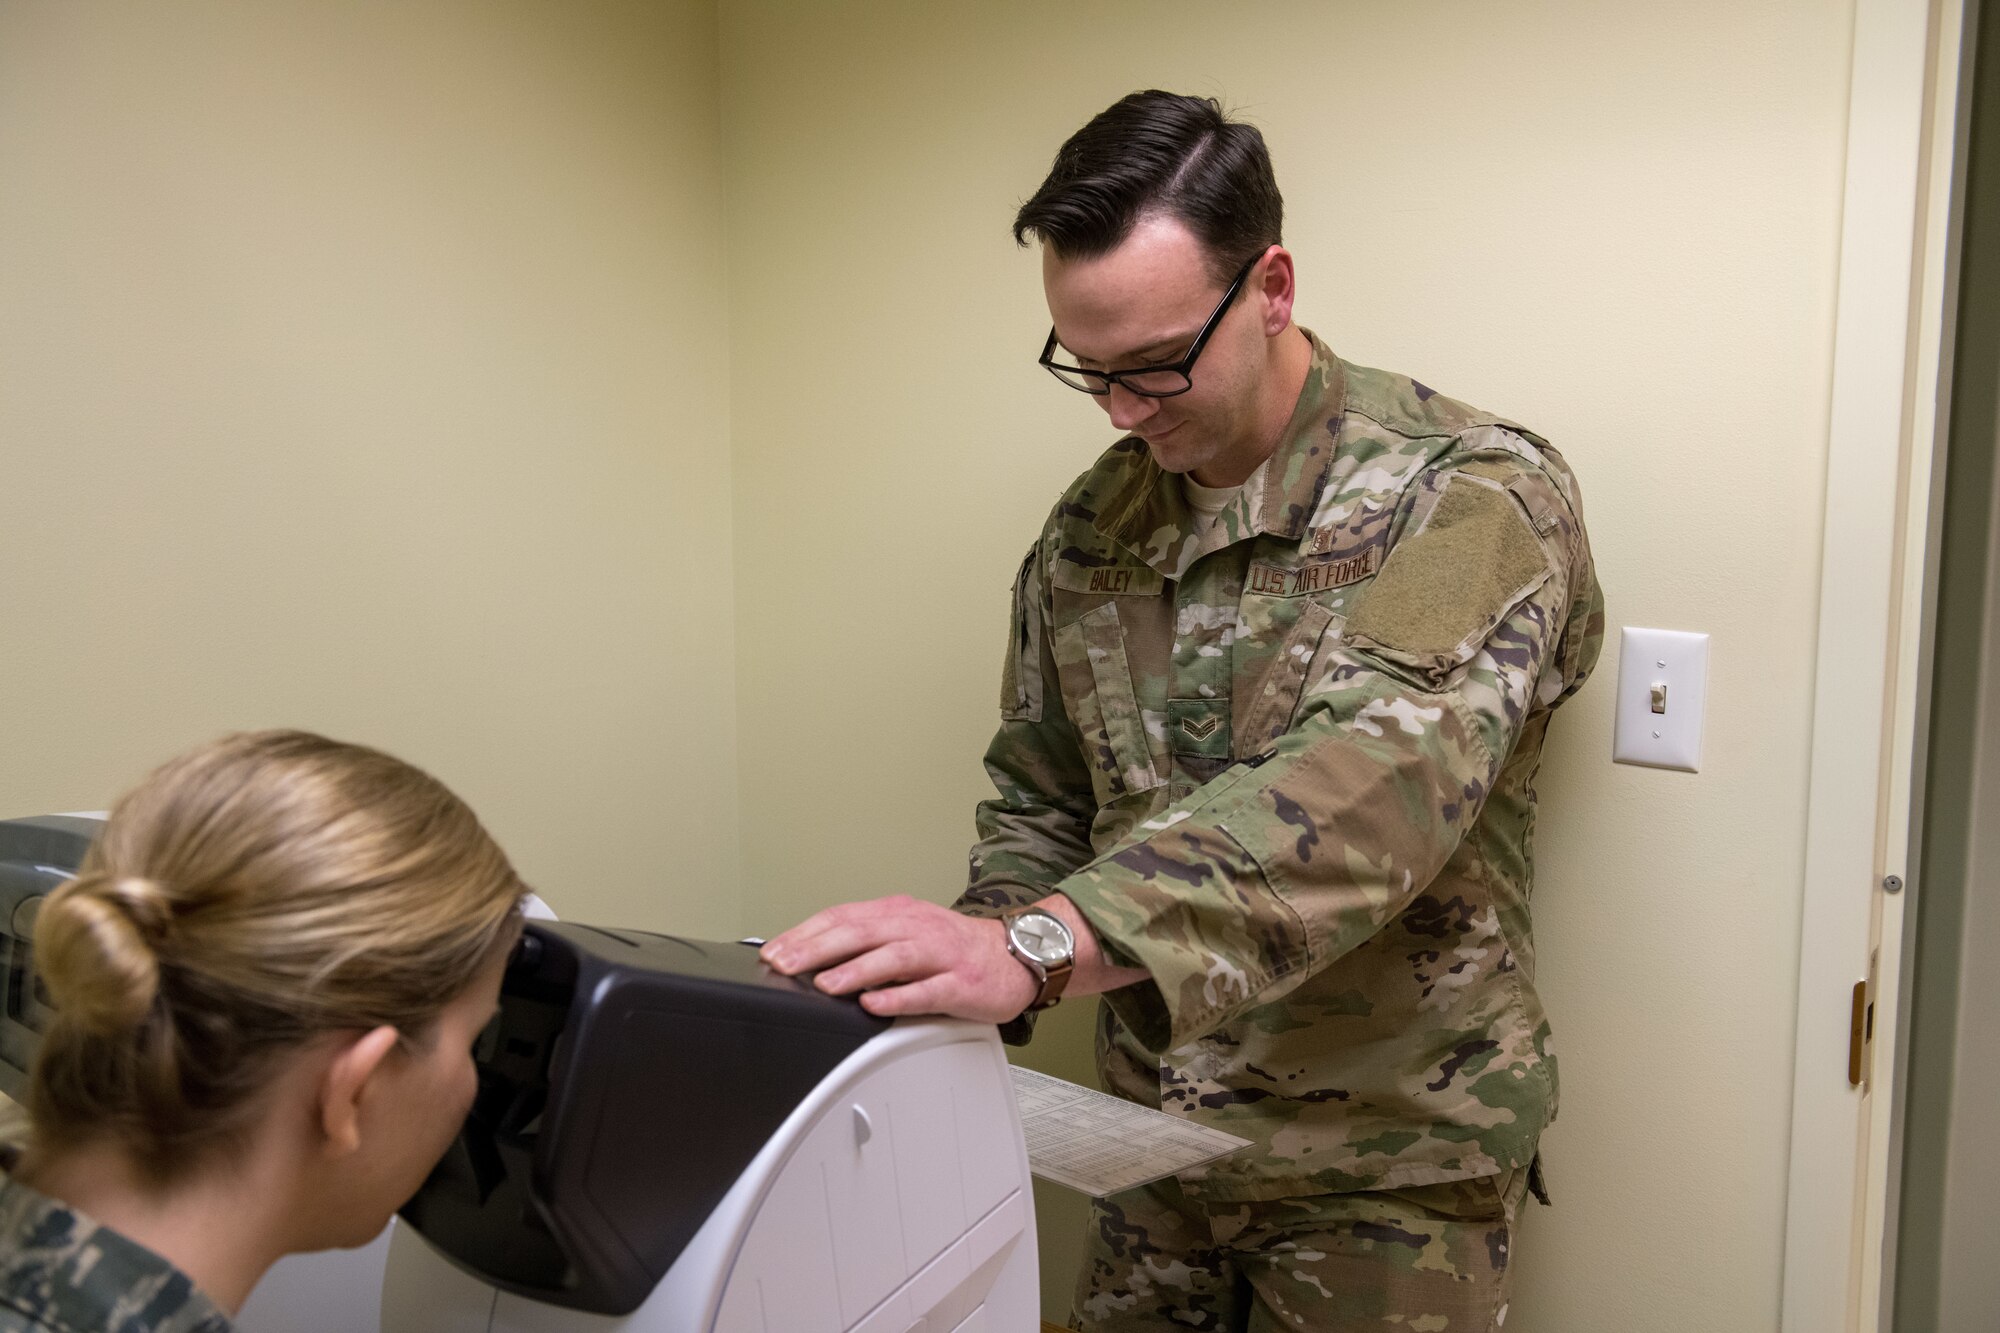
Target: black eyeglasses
(1163,381)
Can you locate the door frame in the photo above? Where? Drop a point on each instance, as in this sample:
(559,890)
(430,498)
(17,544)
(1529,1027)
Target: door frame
(1908,94)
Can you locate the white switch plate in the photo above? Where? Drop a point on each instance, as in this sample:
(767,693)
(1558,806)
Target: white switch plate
(1679,661)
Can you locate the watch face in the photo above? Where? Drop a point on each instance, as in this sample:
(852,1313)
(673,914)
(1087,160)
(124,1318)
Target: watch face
(1043,938)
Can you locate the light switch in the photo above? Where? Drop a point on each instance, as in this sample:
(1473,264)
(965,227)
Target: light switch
(1662,687)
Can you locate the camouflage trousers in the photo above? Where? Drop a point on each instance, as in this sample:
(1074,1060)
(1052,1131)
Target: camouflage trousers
(1430,1259)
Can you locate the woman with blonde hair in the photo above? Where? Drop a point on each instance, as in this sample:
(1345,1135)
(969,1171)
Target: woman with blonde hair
(267,978)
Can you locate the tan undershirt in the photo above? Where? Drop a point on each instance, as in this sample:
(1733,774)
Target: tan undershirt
(1208,502)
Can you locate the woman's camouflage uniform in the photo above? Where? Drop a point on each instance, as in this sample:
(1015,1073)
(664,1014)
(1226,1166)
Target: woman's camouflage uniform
(60,1272)
(1286,765)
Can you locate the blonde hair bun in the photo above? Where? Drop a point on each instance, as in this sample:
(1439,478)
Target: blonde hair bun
(96,945)
(244,897)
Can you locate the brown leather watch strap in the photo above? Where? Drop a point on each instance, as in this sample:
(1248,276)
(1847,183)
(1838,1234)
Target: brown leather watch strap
(1054,981)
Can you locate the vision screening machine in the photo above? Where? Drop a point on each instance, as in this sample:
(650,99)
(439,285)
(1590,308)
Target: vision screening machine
(668,1138)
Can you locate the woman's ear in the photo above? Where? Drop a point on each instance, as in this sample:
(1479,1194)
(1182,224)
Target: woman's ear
(356,1062)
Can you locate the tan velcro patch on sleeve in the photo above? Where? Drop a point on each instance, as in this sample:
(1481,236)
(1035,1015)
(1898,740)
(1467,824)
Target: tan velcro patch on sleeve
(1448,585)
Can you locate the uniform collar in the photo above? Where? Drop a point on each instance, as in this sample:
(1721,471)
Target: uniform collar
(1149,515)
(59,1266)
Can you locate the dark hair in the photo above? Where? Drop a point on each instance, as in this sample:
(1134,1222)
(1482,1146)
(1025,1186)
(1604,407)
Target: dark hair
(1155,152)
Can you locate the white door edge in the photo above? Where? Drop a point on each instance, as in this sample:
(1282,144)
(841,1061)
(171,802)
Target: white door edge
(1890,358)
(1893,943)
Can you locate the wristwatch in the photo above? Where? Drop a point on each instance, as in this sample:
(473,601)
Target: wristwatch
(1046,948)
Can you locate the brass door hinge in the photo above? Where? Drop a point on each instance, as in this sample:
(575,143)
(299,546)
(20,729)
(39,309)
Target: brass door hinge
(1860,1036)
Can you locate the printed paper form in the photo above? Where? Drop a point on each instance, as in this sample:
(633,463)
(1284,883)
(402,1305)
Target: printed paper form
(1098,1144)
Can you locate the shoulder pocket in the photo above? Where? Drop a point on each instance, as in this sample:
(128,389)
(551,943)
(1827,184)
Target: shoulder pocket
(1449,582)
(1021,673)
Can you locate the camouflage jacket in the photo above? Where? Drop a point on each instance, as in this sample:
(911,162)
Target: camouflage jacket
(60,1272)
(1286,765)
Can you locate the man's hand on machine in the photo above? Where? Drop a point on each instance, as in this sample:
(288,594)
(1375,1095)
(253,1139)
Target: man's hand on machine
(908,956)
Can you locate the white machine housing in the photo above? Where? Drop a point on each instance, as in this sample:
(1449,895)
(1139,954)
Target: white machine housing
(895,1199)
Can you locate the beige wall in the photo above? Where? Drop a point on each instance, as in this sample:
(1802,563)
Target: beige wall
(374,368)
(1615,224)
(362,368)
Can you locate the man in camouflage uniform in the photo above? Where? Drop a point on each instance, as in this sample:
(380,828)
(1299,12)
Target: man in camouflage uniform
(60,1272)
(1281,667)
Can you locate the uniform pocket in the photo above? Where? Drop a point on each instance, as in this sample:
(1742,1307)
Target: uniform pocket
(1090,652)
(1270,710)
(1021,673)
(1480,1199)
